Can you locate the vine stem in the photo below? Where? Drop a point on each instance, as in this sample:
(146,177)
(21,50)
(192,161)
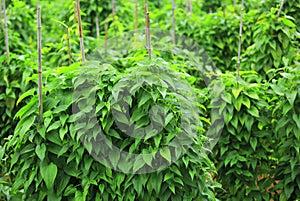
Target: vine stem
(6,30)
(240,39)
(97,27)
(148,34)
(40,72)
(80,31)
(69,45)
(173,22)
(280,9)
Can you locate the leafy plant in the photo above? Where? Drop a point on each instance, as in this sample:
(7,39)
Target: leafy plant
(52,149)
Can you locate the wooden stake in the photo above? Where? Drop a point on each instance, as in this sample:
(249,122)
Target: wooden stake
(1,16)
(6,30)
(173,22)
(148,34)
(136,16)
(80,31)
(280,9)
(191,6)
(106,36)
(97,27)
(69,46)
(113,10)
(234,3)
(240,39)
(39,48)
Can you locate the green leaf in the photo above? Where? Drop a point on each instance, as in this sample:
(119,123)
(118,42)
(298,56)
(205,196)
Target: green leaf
(148,159)
(166,154)
(144,99)
(253,111)
(63,131)
(48,173)
(40,151)
(252,95)
(168,176)
(172,188)
(24,125)
(236,91)
(253,142)
(246,102)
(26,94)
(54,126)
(288,22)
(291,97)
(138,164)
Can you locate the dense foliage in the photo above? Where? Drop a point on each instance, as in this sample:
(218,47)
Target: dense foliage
(92,109)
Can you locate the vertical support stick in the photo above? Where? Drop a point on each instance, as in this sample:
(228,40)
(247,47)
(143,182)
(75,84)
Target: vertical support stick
(191,6)
(148,34)
(6,30)
(136,16)
(234,3)
(69,46)
(280,9)
(80,31)
(173,22)
(187,6)
(240,39)
(97,27)
(106,36)
(39,48)
(1,16)
(113,10)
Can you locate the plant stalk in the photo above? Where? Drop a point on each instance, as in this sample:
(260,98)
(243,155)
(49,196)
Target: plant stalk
(240,39)
(97,27)
(80,31)
(148,34)
(39,48)
(69,46)
(5,30)
(280,9)
(173,22)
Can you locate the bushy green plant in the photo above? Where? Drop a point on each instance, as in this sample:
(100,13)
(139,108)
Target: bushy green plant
(13,73)
(53,158)
(244,154)
(286,126)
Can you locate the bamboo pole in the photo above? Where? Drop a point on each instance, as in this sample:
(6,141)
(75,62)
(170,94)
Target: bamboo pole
(240,38)
(80,31)
(148,34)
(234,3)
(191,6)
(173,22)
(280,9)
(5,30)
(97,27)
(136,16)
(187,6)
(106,36)
(113,10)
(0,16)
(69,46)
(39,48)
